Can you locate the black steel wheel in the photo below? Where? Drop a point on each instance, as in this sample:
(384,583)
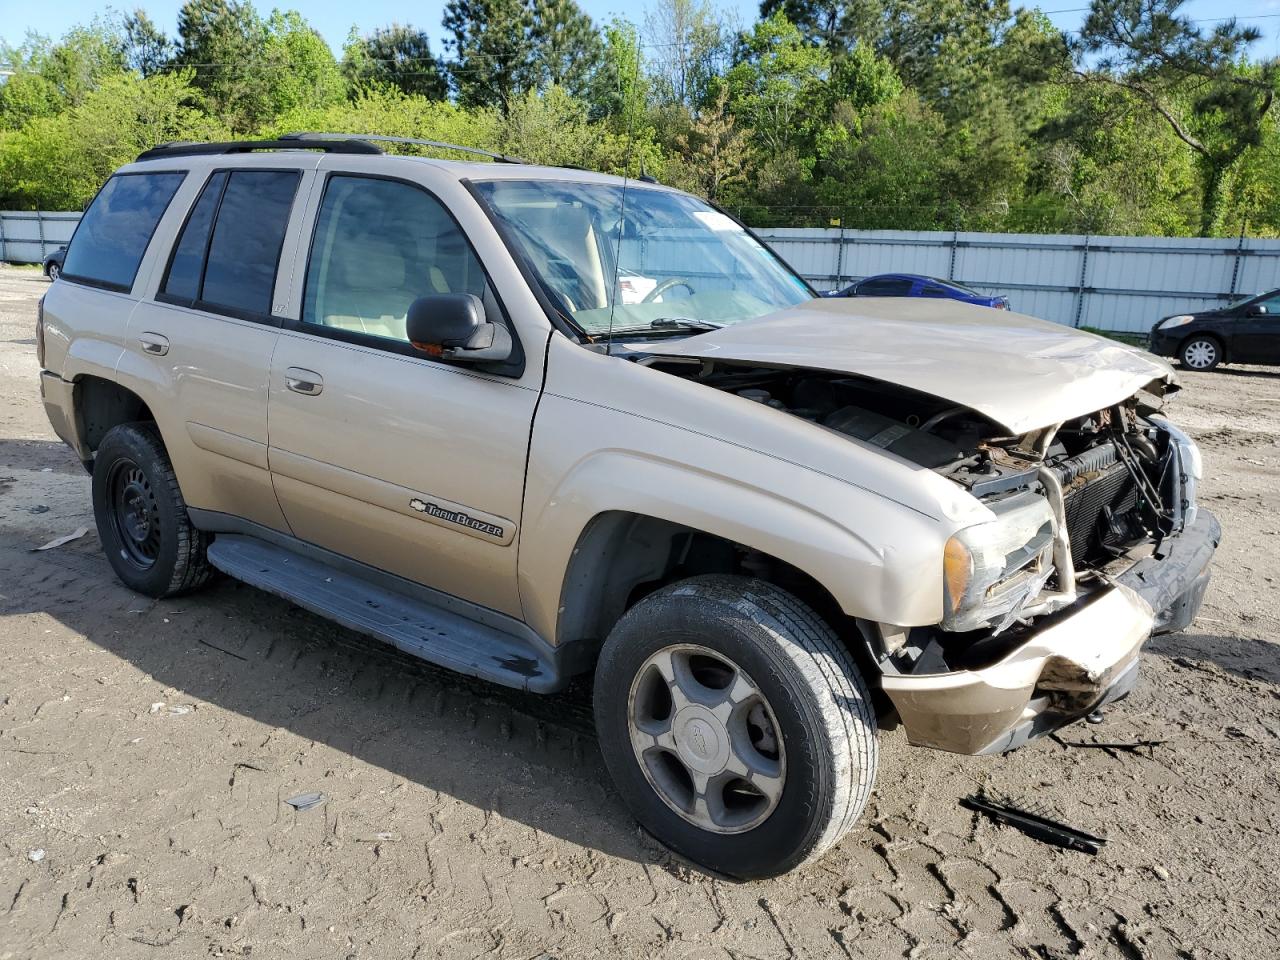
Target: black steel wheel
(142,519)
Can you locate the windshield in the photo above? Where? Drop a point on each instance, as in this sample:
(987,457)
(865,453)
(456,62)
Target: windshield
(680,263)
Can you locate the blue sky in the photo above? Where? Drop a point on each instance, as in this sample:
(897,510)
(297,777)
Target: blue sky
(334,19)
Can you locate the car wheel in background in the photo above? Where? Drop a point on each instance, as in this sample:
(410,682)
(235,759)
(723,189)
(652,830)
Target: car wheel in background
(53,271)
(1200,353)
(735,724)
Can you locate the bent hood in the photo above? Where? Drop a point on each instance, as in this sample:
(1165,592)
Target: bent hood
(1021,372)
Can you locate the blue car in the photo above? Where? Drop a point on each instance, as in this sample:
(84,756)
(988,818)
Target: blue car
(914,285)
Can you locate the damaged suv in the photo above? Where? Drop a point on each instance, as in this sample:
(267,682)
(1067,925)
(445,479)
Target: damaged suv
(532,423)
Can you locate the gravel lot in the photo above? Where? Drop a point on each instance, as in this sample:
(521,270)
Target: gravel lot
(147,749)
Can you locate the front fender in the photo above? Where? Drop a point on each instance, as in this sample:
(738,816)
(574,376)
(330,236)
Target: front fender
(879,559)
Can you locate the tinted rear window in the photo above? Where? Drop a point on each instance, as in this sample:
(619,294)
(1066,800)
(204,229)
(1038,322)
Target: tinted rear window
(114,232)
(245,250)
(183,280)
(885,288)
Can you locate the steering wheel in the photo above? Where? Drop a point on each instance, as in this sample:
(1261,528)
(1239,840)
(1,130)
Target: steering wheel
(666,285)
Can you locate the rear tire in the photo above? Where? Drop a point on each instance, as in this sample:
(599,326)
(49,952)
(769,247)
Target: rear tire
(786,770)
(141,516)
(52,272)
(1200,353)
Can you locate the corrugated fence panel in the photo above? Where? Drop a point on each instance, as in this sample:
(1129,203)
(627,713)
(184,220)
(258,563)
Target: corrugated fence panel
(1122,284)
(28,236)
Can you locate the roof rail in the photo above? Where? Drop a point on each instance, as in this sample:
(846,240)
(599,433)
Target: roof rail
(379,138)
(187,148)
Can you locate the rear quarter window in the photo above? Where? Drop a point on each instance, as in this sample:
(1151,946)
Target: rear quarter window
(113,234)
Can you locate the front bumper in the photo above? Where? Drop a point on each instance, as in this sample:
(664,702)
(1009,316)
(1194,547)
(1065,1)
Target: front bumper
(1081,658)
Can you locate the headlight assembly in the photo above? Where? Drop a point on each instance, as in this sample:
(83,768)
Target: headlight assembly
(1178,321)
(991,571)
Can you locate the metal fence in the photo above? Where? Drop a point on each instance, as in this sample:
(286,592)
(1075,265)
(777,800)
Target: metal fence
(28,236)
(1120,284)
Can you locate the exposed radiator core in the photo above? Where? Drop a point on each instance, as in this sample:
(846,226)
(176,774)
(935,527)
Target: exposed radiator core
(1092,481)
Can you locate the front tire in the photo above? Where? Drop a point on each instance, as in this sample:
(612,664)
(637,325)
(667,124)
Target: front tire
(735,725)
(1200,353)
(53,272)
(141,516)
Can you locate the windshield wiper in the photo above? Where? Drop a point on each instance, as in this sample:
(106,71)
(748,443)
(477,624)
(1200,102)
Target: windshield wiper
(683,323)
(663,325)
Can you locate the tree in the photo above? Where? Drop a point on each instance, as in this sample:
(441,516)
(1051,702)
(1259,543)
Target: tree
(620,88)
(692,47)
(399,56)
(493,48)
(838,24)
(59,162)
(299,67)
(715,149)
(1197,81)
(567,48)
(146,47)
(223,42)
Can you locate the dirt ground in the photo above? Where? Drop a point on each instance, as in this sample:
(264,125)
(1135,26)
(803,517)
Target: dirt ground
(147,750)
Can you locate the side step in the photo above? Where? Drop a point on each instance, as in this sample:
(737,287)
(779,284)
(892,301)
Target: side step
(424,629)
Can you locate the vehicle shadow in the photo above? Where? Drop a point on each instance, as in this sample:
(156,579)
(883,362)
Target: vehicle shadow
(1248,658)
(258,656)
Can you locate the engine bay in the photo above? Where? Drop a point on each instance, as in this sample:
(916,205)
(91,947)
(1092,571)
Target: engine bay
(1114,466)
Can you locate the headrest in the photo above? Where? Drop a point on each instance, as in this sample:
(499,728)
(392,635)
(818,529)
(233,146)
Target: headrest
(369,263)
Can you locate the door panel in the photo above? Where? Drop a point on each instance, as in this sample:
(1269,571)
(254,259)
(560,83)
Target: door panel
(204,345)
(409,465)
(1256,339)
(213,417)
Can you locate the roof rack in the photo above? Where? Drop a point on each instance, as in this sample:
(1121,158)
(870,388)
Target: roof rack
(187,148)
(380,138)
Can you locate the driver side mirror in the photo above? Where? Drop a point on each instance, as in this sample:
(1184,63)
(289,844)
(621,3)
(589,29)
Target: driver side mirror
(1257,310)
(452,326)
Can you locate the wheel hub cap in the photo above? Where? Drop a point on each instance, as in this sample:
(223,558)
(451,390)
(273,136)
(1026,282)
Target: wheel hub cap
(702,741)
(1200,354)
(706,739)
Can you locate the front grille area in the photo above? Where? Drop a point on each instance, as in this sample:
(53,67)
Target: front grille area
(1092,481)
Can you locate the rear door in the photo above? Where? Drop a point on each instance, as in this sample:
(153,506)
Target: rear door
(412,465)
(202,343)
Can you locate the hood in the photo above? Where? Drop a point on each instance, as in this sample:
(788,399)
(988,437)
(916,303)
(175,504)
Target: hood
(1021,372)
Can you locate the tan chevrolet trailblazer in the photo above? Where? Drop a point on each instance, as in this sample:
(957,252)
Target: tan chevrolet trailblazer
(530,422)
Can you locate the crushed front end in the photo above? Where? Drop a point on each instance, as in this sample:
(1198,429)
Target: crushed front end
(1097,542)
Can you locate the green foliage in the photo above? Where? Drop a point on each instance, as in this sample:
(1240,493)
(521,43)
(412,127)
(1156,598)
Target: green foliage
(927,114)
(397,56)
(58,162)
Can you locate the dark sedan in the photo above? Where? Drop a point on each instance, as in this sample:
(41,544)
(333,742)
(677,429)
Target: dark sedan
(53,263)
(1246,331)
(915,285)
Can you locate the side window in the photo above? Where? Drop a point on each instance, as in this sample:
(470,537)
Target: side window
(226,257)
(183,279)
(114,232)
(884,288)
(378,246)
(933,290)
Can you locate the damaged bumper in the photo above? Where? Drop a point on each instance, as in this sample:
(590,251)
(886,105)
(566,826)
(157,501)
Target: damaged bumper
(1079,659)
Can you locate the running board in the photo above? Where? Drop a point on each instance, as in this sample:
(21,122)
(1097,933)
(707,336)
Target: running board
(415,626)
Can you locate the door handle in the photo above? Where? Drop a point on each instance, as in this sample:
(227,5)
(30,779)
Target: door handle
(302,381)
(154,344)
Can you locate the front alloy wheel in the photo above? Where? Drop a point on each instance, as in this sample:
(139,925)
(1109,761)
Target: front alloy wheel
(706,739)
(735,724)
(1201,353)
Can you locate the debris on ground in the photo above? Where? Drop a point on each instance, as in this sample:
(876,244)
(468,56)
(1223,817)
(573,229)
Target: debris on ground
(36,855)
(305,801)
(1035,824)
(75,534)
(1132,746)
